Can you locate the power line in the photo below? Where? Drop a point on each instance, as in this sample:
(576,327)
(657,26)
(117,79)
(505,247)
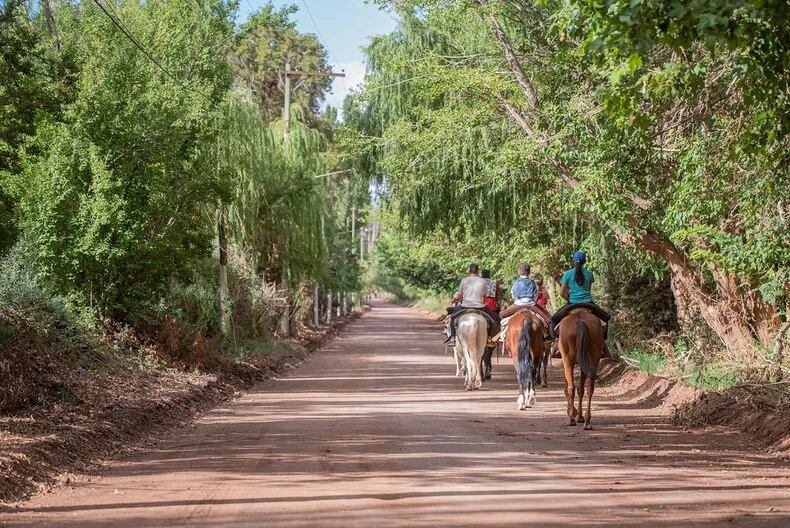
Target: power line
(318,31)
(321,37)
(134,41)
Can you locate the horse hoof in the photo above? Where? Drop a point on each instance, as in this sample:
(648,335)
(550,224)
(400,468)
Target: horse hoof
(588,426)
(544,384)
(572,423)
(532,401)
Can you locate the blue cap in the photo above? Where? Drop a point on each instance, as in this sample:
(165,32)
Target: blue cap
(580,257)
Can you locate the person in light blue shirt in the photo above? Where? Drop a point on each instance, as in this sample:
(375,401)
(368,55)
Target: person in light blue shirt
(524,290)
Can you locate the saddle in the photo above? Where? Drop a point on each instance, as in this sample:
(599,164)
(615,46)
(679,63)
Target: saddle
(534,310)
(493,323)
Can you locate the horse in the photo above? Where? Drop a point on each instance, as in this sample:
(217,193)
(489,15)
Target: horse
(485,365)
(470,343)
(524,343)
(581,341)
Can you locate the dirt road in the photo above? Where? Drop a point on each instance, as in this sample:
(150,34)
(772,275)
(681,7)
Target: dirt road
(376,431)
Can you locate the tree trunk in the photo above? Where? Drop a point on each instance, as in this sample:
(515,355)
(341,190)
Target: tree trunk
(285,318)
(49,17)
(551,286)
(758,314)
(726,322)
(222,243)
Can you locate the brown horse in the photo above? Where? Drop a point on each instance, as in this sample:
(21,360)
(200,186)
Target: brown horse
(581,341)
(524,343)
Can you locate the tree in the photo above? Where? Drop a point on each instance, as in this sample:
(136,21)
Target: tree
(614,129)
(267,41)
(111,193)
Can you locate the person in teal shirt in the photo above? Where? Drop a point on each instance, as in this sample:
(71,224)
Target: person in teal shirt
(577,282)
(576,288)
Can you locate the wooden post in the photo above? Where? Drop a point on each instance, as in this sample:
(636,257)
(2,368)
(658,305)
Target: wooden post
(316,306)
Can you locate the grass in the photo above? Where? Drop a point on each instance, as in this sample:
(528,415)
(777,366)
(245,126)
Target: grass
(708,377)
(253,348)
(652,362)
(711,377)
(432,303)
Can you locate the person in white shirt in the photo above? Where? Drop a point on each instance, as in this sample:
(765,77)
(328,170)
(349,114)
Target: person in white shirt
(471,294)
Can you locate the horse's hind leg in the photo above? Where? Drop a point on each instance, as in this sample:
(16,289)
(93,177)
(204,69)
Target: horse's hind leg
(545,360)
(569,390)
(582,380)
(587,415)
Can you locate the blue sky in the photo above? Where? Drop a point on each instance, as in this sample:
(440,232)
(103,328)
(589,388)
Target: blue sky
(343,26)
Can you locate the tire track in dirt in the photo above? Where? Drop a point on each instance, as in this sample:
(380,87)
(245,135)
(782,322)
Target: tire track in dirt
(375,431)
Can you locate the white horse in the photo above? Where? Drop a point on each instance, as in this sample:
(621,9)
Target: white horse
(470,343)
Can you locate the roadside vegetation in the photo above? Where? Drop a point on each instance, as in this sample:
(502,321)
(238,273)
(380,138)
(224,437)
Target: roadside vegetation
(147,184)
(159,226)
(653,135)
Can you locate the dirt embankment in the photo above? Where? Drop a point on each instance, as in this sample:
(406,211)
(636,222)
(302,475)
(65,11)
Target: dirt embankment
(760,412)
(82,406)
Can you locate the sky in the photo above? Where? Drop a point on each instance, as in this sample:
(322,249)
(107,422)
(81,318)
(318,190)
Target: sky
(343,27)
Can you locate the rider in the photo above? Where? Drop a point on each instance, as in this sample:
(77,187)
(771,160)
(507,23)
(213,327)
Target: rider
(576,285)
(471,294)
(542,298)
(492,295)
(524,290)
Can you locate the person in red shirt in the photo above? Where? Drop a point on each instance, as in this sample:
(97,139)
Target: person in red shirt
(492,295)
(542,299)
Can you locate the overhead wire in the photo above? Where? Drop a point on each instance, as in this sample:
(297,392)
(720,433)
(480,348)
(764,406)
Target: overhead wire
(321,38)
(120,26)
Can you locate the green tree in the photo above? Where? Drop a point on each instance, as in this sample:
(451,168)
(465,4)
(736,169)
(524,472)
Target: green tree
(661,128)
(110,193)
(267,41)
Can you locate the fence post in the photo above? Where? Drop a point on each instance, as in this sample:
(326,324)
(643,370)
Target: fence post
(316,305)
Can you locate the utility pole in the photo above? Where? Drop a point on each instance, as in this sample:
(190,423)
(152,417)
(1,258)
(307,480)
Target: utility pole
(285,318)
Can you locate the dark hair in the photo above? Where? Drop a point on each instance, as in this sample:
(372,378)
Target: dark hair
(538,277)
(474,268)
(525,267)
(578,275)
(486,274)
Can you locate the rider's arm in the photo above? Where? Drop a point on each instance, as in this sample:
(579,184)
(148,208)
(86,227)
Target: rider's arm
(458,296)
(566,289)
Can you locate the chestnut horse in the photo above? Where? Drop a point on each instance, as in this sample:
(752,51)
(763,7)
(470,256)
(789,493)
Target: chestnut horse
(581,341)
(524,343)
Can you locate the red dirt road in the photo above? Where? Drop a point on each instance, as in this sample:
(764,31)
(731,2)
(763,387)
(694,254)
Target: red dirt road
(375,431)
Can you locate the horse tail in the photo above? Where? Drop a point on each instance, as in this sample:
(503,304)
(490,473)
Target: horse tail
(524,357)
(583,350)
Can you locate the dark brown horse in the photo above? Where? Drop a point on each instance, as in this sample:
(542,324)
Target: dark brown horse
(581,341)
(524,343)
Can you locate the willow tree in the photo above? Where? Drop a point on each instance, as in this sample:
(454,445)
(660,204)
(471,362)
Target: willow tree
(273,207)
(663,127)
